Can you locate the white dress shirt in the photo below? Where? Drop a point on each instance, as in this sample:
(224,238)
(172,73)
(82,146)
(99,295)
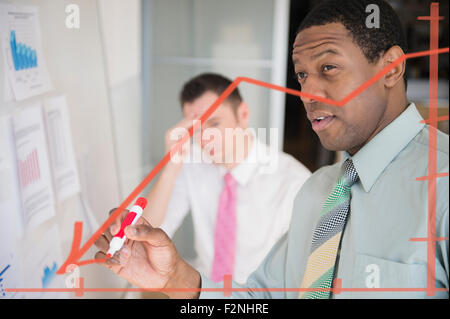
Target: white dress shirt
(267,183)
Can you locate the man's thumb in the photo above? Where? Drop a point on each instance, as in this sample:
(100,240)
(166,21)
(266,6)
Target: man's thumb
(142,232)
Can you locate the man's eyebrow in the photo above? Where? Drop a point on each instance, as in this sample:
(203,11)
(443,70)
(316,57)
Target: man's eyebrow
(327,51)
(317,55)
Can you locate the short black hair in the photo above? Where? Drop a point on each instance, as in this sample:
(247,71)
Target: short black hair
(352,14)
(209,82)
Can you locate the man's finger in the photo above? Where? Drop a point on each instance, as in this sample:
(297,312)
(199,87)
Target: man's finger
(102,243)
(124,254)
(109,262)
(115,226)
(187,122)
(142,220)
(142,232)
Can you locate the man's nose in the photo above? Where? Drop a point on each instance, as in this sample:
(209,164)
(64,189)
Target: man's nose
(312,88)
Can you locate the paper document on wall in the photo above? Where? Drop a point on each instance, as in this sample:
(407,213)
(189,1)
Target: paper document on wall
(62,156)
(33,166)
(22,51)
(11,215)
(41,260)
(7,91)
(11,225)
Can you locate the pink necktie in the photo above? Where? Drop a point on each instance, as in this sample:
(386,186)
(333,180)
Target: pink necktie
(225,232)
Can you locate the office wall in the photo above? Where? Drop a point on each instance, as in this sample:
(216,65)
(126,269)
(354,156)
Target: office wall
(76,66)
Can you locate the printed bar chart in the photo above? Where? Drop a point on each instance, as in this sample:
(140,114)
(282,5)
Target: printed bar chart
(25,66)
(24,57)
(29,169)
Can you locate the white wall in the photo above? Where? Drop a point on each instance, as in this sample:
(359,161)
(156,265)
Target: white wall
(121,32)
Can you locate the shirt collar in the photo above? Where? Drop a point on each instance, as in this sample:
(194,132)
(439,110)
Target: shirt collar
(371,160)
(245,170)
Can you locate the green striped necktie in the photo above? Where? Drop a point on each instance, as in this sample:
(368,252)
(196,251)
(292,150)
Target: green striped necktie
(327,235)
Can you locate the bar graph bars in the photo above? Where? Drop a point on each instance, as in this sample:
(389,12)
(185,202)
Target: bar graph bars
(29,170)
(23,56)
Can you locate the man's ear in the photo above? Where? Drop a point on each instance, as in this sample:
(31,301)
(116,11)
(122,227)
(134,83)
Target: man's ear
(243,114)
(396,74)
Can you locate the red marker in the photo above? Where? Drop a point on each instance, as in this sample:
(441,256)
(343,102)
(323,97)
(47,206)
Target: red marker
(131,219)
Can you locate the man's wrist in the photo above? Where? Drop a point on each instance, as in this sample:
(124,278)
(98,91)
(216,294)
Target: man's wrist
(185,283)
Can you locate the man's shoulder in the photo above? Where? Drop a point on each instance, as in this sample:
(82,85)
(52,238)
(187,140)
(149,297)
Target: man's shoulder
(418,154)
(442,141)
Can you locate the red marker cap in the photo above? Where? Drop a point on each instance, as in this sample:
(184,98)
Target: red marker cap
(141,202)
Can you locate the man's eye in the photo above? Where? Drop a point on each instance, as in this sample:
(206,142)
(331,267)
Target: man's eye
(328,67)
(301,75)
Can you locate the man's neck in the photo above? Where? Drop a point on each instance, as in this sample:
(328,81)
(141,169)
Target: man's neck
(393,111)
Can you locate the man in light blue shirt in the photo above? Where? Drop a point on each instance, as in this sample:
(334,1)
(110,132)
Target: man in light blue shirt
(383,137)
(388,208)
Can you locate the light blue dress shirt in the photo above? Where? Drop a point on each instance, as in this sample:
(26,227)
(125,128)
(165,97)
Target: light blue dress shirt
(388,208)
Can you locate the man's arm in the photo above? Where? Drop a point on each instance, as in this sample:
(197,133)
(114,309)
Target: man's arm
(160,194)
(149,259)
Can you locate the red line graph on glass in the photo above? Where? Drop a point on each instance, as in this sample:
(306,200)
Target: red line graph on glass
(77,251)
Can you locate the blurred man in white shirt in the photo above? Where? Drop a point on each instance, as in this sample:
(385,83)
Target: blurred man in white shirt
(240,193)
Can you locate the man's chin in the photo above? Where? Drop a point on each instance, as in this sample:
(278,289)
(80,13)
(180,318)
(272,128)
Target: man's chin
(211,157)
(330,146)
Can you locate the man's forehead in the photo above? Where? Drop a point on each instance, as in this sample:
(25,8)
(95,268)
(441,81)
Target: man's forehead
(332,32)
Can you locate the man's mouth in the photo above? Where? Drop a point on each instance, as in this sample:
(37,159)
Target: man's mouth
(322,122)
